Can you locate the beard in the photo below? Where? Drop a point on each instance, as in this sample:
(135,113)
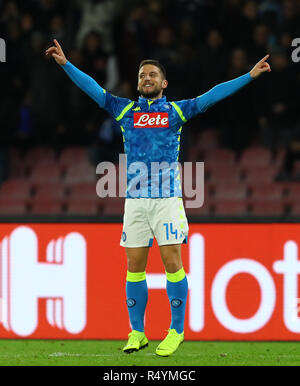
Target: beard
(151,94)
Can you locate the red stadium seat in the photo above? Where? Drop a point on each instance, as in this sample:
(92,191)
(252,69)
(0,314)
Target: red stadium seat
(39,155)
(220,157)
(260,175)
(80,173)
(48,192)
(15,189)
(222,174)
(113,206)
(83,207)
(204,210)
(255,156)
(46,173)
(267,192)
(72,156)
(267,208)
(295,209)
(230,208)
(13,207)
(47,207)
(292,192)
(83,191)
(16,167)
(230,191)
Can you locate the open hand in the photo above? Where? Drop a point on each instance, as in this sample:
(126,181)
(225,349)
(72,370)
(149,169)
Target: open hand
(260,67)
(57,53)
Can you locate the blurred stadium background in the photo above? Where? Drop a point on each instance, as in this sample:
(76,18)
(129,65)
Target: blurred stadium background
(52,135)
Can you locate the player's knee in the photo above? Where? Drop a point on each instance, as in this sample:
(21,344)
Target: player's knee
(173,266)
(135,266)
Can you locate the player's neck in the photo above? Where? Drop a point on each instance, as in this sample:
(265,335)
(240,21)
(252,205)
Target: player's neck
(153,98)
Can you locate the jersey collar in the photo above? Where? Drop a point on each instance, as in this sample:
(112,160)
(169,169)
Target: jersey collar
(159,100)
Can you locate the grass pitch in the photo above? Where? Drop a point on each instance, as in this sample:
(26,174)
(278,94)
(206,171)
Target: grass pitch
(109,353)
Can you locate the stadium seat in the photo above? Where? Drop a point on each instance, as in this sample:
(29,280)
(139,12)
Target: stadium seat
(266,192)
(39,155)
(204,210)
(13,207)
(83,191)
(260,175)
(295,209)
(48,192)
(219,174)
(219,157)
(80,173)
(230,208)
(255,156)
(16,165)
(15,189)
(230,191)
(113,206)
(90,207)
(46,173)
(72,156)
(267,208)
(47,207)
(292,192)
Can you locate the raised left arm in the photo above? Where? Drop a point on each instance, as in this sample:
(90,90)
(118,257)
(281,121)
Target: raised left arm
(224,90)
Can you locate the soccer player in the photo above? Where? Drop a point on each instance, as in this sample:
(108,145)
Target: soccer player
(151,129)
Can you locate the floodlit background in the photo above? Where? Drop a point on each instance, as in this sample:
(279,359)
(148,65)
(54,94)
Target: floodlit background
(52,135)
(243,273)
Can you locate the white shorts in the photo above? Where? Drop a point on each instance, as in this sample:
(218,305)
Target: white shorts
(146,218)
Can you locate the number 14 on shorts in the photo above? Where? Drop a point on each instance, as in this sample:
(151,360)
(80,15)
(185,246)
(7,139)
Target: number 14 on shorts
(170,231)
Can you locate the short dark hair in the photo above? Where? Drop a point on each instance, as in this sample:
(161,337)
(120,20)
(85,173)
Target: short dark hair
(155,63)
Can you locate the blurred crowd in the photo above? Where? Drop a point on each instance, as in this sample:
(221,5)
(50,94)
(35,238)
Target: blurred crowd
(200,42)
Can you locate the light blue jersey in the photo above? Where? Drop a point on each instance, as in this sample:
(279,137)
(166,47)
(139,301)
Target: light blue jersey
(151,132)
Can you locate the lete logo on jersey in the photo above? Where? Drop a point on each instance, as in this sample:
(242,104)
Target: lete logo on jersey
(150,120)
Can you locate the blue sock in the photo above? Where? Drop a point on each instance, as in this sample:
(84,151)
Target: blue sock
(177,290)
(137,297)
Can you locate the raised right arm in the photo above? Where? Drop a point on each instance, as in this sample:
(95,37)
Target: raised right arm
(85,83)
(82,80)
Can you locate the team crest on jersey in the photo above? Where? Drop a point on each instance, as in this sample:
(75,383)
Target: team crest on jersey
(150,120)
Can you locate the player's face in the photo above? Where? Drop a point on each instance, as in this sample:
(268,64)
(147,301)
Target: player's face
(151,82)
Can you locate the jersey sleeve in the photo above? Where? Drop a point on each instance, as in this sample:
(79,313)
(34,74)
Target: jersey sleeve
(190,107)
(85,83)
(113,104)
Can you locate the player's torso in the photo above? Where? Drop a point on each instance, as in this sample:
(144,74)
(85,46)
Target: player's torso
(151,131)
